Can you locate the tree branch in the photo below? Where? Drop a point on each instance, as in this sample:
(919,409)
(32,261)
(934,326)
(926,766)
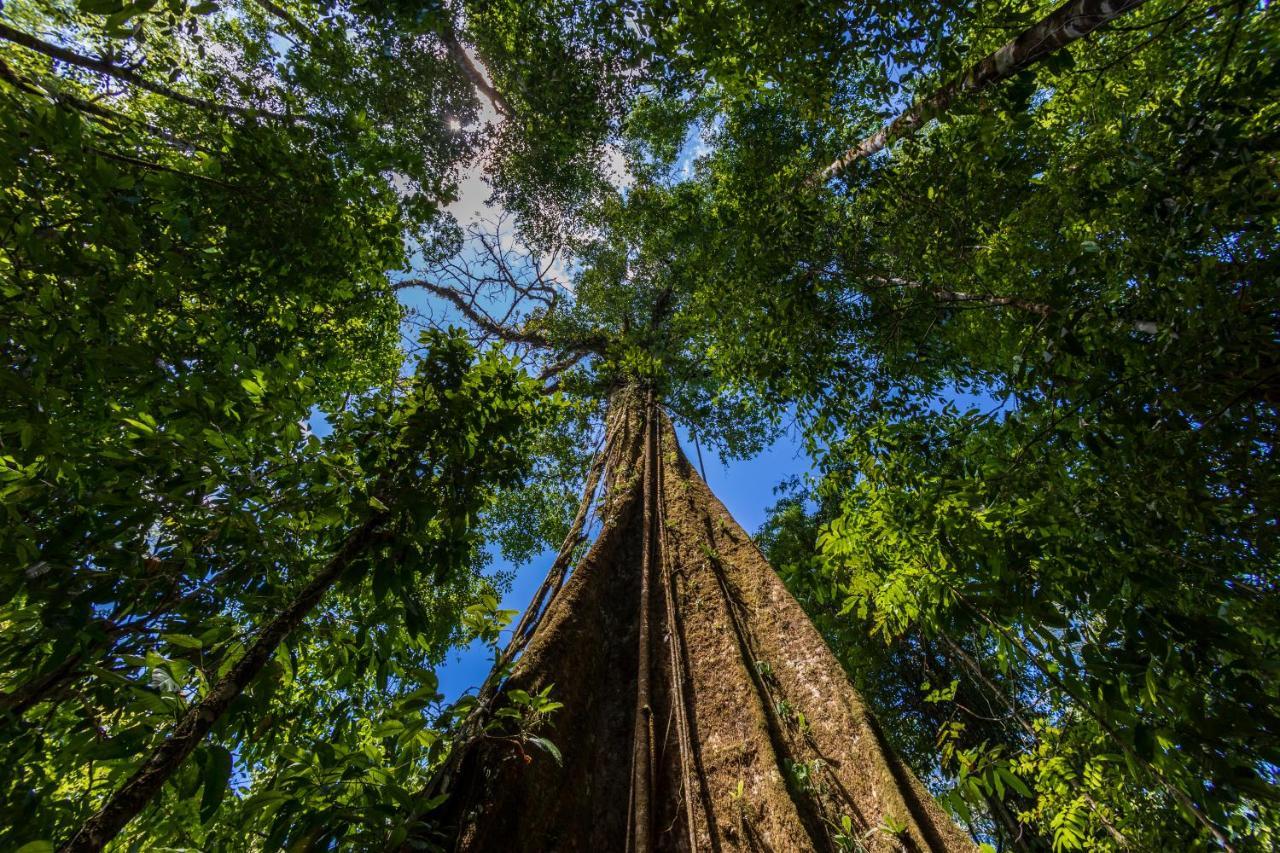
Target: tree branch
(127,75)
(160,167)
(960,296)
(473,73)
(1069,22)
(95,111)
(987,300)
(469,310)
(557,367)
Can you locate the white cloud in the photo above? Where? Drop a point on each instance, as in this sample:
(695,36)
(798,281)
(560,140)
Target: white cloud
(615,166)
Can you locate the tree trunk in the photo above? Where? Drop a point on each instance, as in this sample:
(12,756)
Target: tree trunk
(748,736)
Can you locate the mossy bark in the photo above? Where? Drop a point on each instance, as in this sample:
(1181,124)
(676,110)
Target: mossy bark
(759,741)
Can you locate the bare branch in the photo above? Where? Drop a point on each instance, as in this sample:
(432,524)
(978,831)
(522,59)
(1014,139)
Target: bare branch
(479,317)
(505,293)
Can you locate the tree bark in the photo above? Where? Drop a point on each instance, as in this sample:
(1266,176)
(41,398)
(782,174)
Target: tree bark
(1071,21)
(754,738)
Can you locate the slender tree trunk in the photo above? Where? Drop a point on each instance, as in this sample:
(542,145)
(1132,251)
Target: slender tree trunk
(754,738)
(1072,20)
(165,760)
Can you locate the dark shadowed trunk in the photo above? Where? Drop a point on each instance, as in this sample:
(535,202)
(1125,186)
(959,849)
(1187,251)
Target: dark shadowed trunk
(748,735)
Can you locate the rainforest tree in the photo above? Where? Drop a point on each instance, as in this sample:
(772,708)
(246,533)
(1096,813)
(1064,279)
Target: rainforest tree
(1008,268)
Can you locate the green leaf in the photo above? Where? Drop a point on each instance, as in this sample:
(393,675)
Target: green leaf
(547,745)
(388,728)
(182,641)
(217,777)
(151,701)
(434,803)
(1012,780)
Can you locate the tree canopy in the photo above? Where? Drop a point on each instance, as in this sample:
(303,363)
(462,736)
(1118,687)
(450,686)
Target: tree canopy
(1008,268)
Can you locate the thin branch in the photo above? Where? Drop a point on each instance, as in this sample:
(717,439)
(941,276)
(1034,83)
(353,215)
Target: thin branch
(160,167)
(988,300)
(126,75)
(558,367)
(481,319)
(960,296)
(31,87)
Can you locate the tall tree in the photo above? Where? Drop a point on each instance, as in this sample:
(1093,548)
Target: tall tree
(1030,343)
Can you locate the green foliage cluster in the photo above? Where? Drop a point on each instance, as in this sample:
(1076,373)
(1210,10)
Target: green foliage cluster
(340,723)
